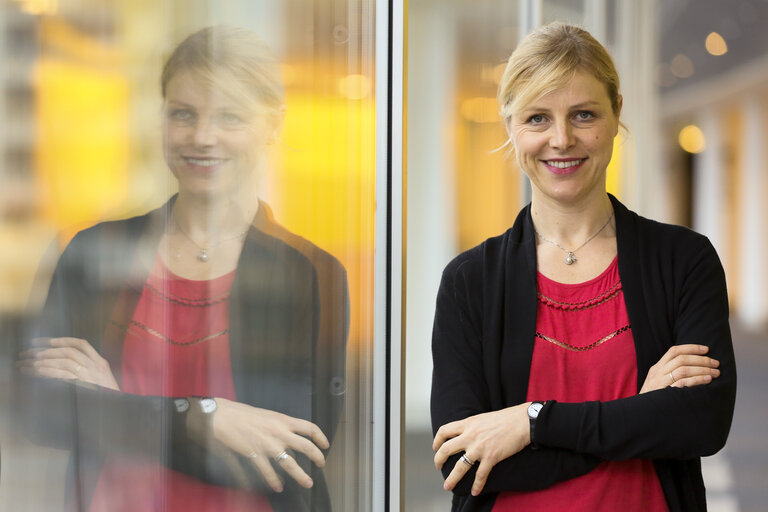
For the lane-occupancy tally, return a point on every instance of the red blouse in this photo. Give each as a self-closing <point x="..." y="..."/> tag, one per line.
<point x="585" y="351"/>
<point x="177" y="344"/>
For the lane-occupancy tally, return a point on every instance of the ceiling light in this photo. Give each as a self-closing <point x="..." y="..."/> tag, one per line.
<point x="681" y="66"/>
<point x="691" y="139"/>
<point x="715" y="44"/>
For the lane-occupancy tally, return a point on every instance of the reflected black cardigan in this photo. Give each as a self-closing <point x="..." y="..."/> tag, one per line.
<point x="288" y="325"/>
<point x="485" y="321"/>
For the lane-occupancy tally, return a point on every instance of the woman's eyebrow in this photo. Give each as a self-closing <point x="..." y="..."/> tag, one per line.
<point x="584" y="104"/>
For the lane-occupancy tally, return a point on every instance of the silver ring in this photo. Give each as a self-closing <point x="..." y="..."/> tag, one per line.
<point x="253" y="455"/>
<point x="466" y="460"/>
<point x="671" y="377"/>
<point x="280" y="457"/>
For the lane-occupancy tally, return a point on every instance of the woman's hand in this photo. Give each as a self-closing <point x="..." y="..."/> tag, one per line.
<point x="67" y="359"/>
<point x="682" y="366"/>
<point x="265" y="436"/>
<point x="485" y="438"/>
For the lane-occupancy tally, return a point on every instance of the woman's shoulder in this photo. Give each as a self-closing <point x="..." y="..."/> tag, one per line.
<point x="482" y="259"/>
<point x="670" y="237"/>
<point x="282" y="240"/>
<point x="654" y="235"/>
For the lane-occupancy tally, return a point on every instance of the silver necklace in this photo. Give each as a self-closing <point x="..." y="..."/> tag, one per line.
<point x="570" y="259"/>
<point x="203" y="256"/>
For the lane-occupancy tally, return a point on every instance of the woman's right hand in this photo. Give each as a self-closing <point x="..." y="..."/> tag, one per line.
<point x="262" y="435"/>
<point x="682" y="366"/>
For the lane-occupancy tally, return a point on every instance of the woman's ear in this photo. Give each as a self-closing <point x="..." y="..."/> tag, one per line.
<point x="276" y="124"/>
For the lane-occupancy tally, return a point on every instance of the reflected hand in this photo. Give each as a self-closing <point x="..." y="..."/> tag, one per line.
<point x="682" y="366"/>
<point x="486" y="438"/>
<point x="264" y="436"/>
<point x="67" y="359"/>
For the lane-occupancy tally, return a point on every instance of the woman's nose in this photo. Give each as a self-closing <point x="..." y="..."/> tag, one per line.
<point x="205" y="132"/>
<point x="562" y="135"/>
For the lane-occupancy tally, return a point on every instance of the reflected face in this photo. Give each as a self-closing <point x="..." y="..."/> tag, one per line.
<point x="211" y="144"/>
<point x="564" y="140"/>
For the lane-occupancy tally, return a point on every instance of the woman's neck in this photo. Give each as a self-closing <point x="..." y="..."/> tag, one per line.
<point x="206" y="219"/>
<point x="570" y="224"/>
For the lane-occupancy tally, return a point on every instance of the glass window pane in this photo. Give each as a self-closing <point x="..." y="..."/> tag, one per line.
<point x="189" y="191"/>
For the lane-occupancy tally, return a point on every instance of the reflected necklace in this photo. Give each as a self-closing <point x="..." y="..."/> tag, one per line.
<point x="203" y="255"/>
<point x="570" y="259"/>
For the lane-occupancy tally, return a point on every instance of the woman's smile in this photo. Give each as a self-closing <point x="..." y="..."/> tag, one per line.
<point x="564" y="166"/>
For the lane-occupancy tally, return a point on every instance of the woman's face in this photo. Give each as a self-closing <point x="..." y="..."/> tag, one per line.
<point x="211" y="143"/>
<point x="564" y="140"/>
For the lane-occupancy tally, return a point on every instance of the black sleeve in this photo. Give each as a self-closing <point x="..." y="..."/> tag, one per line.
<point x="670" y="423"/>
<point x="459" y="390"/>
<point x="91" y="421"/>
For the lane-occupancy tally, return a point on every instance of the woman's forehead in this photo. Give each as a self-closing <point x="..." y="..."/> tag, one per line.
<point x="193" y="85"/>
<point x="574" y="88"/>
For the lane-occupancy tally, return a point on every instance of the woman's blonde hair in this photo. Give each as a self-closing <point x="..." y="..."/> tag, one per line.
<point x="233" y="60"/>
<point x="546" y="59"/>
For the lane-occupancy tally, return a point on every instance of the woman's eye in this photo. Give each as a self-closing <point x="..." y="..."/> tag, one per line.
<point x="536" y="119"/>
<point x="230" y="119"/>
<point x="585" y="115"/>
<point x="183" y="115"/>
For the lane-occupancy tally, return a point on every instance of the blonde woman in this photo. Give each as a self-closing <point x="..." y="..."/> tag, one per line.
<point x="583" y="359"/>
<point x="194" y="356"/>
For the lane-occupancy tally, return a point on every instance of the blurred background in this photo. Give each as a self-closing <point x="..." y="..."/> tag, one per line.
<point x="80" y="143"/>
<point x="694" y="78"/>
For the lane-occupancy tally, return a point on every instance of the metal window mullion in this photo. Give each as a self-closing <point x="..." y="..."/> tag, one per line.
<point x="388" y="257"/>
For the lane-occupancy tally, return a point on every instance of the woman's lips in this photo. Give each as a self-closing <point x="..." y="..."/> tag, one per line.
<point x="561" y="166"/>
<point x="204" y="163"/>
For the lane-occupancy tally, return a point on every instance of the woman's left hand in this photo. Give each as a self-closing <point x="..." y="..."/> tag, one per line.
<point x="485" y="439"/>
<point x="67" y="359"/>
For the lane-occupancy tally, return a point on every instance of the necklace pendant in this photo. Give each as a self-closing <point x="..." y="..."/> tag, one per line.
<point x="570" y="259"/>
<point x="202" y="255"/>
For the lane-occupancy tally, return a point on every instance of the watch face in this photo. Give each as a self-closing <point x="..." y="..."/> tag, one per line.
<point x="534" y="409"/>
<point x="208" y="405"/>
<point x="182" y="404"/>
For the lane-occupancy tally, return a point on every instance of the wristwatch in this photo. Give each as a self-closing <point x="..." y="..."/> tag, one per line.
<point x="207" y="405"/>
<point x="533" y="412"/>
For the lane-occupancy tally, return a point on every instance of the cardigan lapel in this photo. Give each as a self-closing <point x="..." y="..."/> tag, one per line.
<point x="631" y="273"/>
<point x="519" y="307"/>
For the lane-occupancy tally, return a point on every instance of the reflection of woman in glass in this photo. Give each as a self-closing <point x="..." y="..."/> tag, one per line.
<point x="220" y="334"/>
<point x="583" y="359"/>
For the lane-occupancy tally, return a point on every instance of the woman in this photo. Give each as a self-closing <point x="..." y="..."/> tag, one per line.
<point x="583" y="359"/>
<point x="195" y="355"/>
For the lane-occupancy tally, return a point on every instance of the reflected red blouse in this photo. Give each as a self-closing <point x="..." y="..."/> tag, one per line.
<point x="585" y="351"/>
<point x="177" y="344"/>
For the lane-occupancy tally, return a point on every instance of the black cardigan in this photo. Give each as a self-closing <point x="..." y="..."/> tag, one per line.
<point x="485" y="321"/>
<point x="288" y="321"/>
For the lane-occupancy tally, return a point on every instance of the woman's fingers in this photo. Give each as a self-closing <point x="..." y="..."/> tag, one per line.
<point x="461" y="468"/>
<point x="290" y="466"/>
<point x="682" y="366"/>
<point x="267" y="471"/>
<point x="483" y="470"/>
<point x="310" y="430"/>
<point x="61" y="354"/>
<point x="79" y="344"/>
<point x="447" y="431"/>
<point x="53" y="373"/>
<point x="307" y="447"/>
<point x="689" y="382"/>
<point x="448" y="448"/>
